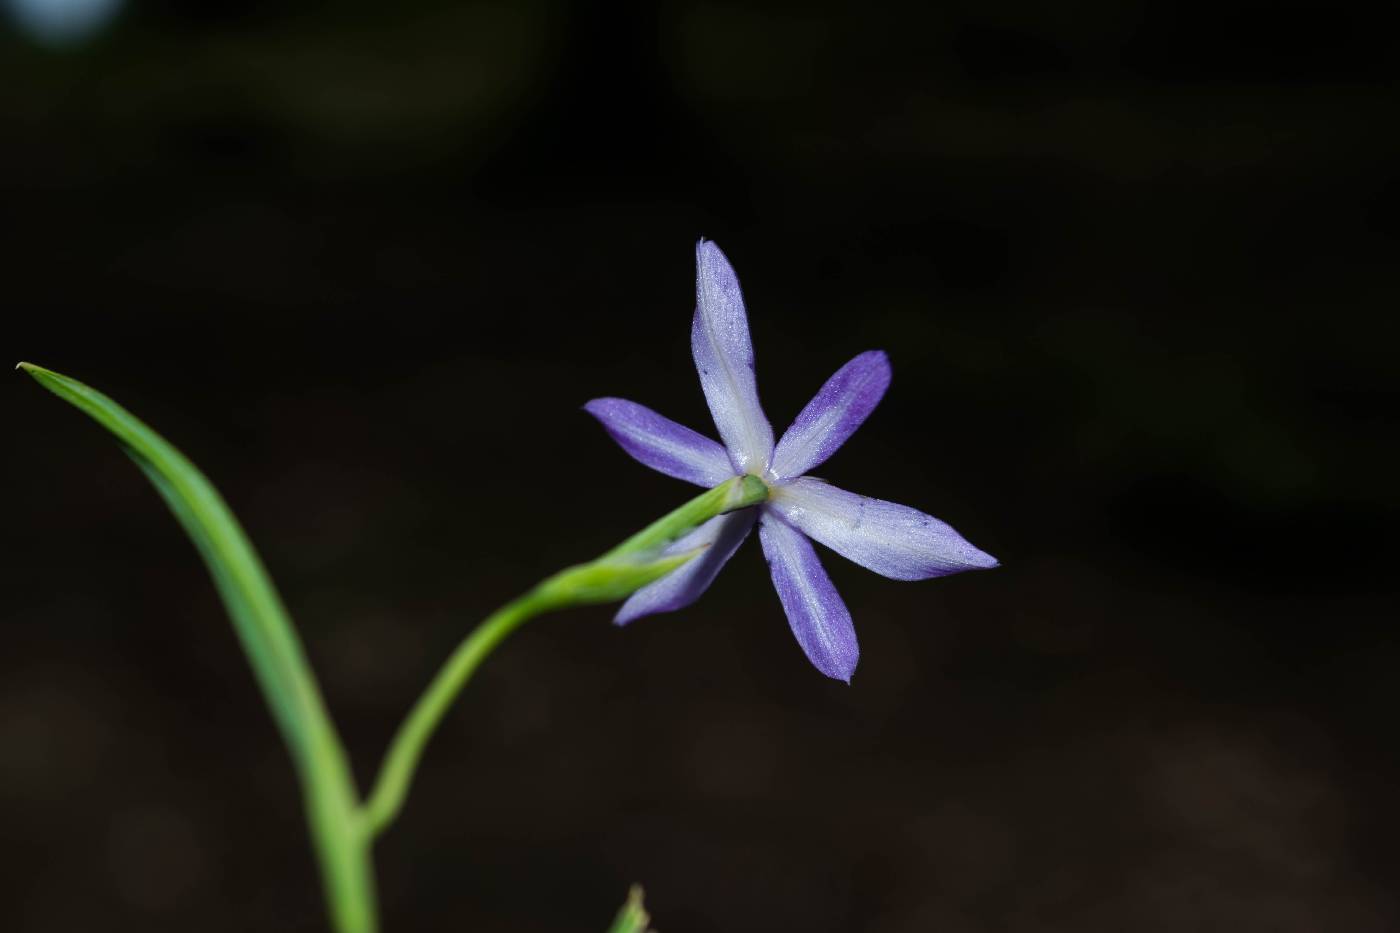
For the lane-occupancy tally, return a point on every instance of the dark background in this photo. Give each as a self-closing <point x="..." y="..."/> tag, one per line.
<point x="364" y="262"/>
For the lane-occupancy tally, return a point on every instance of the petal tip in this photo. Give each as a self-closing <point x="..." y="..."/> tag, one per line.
<point x="841" y="669"/>
<point x="625" y="615"/>
<point x="981" y="560"/>
<point x="711" y="259"/>
<point x="600" y="407"/>
<point x="879" y="360"/>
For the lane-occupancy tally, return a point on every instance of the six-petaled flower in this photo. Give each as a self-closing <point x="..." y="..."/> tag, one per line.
<point x="893" y="540"/>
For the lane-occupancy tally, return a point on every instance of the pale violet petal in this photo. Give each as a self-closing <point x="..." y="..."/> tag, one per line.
<point x="661" y="443"/>
<point x="719" y="339"/>
<point x="892" y="540"/>
<point x="833" y="414"/>
<point x="721" y="537"/>
<point x="818" y="617"/>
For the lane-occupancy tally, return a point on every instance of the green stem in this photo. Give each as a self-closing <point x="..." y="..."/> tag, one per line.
<point x="396" y="773"/>
<point x="610" y="577"/>
<point x="343" y="829"/>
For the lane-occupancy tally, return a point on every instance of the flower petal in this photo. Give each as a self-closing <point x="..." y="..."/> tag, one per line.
<point x="892" y="540"/>
<point x="833" y="414"/>
<point x="719" y="340"/>
<point x="818" y="617"/>
<point x="662" y="444"/>
<point x="722" y="535"/>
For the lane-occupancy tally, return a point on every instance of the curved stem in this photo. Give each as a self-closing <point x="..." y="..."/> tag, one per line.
<point x="343" y="829"/>
<point x="396" y="773"/>
<point x="615" y="575"/>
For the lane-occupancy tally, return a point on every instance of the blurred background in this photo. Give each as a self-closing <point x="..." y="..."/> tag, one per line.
<point x="1134" y="264"/>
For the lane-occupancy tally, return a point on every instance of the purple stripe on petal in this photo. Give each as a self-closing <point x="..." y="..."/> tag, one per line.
<point x="833" y="414"/>
<point x="818" y="617"/>
<point x="719" y="339"/>
<point x="721" y="536"/>
<point x="662" y="444"/>
<point x="892" y="540"/>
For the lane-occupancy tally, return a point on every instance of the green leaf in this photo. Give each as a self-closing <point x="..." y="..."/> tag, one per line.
<point x="268" y="638"/>
<point x="632" y="918"/>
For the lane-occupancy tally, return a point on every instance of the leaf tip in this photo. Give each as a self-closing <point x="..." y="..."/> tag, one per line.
<point x="633" y="918"/>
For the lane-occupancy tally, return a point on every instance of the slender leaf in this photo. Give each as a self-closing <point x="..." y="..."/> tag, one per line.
<point x="270" y="641"/>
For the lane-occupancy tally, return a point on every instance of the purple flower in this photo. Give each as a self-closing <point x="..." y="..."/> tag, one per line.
<point x="892" y="540"/>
